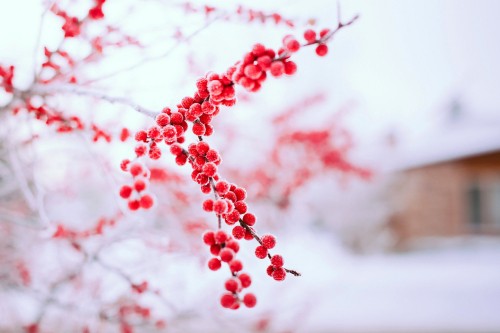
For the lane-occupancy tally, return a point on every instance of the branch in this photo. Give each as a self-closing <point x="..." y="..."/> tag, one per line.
<point x="81" y="91"/>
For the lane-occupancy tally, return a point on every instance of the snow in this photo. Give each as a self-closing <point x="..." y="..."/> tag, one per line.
<point x="455" y="288"/>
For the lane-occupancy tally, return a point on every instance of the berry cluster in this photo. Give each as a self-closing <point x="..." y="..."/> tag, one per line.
<point x="311" y="38"/>
<point x="136" y="193"/>
<point x="252" y="70"/>
<point x="214" y="90"/>
<point x="224" y="248"/>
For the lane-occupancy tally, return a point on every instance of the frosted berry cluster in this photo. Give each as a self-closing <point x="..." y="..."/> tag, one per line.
<point x="229" y="200"/>
<point x="224" y="249"/>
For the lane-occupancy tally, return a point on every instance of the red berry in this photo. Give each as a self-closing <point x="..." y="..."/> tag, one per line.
<point x="233" y="245"/>
<point x="140" y="149"/>
<point x="292" y="45"/>
<point x="235" y="266"/>
<point x="202" y="147"/>
<point x="169" y="132"/>
<point x="277" y="68"/>
<point x="270" y="270"/>
<point x="134" y="204"/>
<point x="249" y="219"/>
<point x="146" y="201"/>
<point x="220" y="206"/>
<point x="222" y="187"/>
<point x="124" y="164"/>
<point x="249" y="300"/>
<point x="209" y="169"/>
<point x="215" y="249"/>
<point x="186" y="102"/>
<point x="214" y="264"/>
<point x="154" y="132"/>
<point x="290" y="68"/>
<point x="310" y="35"/>
<point x="139" y="185"/>
<point x="136" y="169"/>
<point x="261" y="252"/>
<point x="321" y="50"/>
<point x="181" y="159"/>
<point x="228" y="300"/>
<point x="226" y="255"/>
<point x="279" y="273"/>
<point x="141" y="136"/>
<point x="277" y="260"/>
<point x="209" y="238"/>
<point x="163" y="119"/>
<point x="208" y="205"/>
<point x="232" y="217"/>
<point x="198" y="129"/>
<point x="212" y="155"/>
<point x="323" y="33"/>
<point x="240" y="193"/>
<point x="245" y="280"/>
<point x="268" y="241"/>
<point x="221" y="236"/>
<point x="238" y="232"/>
<point x="215" y="87"/>
<point x="125" y="191"/>
<point x="232" y="285"/>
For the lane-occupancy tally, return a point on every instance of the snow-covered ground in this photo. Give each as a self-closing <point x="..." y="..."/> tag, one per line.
<point x="453" y="287"/>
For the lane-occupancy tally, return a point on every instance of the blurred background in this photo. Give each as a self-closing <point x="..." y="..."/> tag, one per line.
<point x="377" y="167"/>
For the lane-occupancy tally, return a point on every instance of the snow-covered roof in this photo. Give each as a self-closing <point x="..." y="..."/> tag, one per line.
<point x="447" y="142"/>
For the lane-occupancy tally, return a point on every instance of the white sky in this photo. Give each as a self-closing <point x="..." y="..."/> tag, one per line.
<point x="402" y="63"/>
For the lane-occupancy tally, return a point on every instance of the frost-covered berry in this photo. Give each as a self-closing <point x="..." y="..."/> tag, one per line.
<point x="208" y="205"/>
<point x="141" y="136"/>
<point x="268" y="241"/>
<point x="212" y="155"/>
<point x="238" y="232"/>
<point x="220" y="206"/>
<point x="226" y="255"/>
<point x="202" y="147"/>
<point x="241" y="207"/>
<point x="209" y="238"/>
<point x="163" y="119"/>
<point x="214" y="264"/>
<point x="249" y="300"/>
<point x="277" y="68"/>
<point x="209" y="169"/>
<point x="245" y="280"/>
<point x="240" y="193"/>
<point x="279" y="273"/>
<point x="222" y="187"/>
<point x="249" y="219"/>
<point x="277" y="260"/>
<point x="221" y="236"/>
<point x="198" y="129"/>
<point x="261" y="252"/>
